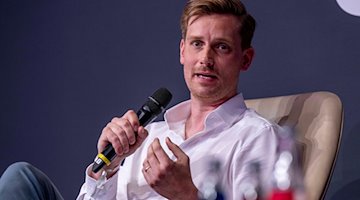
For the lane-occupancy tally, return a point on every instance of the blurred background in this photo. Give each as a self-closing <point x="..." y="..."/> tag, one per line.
<point x="68" y="67"/>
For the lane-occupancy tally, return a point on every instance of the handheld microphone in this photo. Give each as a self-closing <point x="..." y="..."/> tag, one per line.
<point x="154" y="105"/>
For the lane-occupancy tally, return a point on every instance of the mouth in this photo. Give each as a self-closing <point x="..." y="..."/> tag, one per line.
<point x="205" y="76"/>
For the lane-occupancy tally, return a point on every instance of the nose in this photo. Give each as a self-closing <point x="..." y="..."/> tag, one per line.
<point x="207" y="57"/>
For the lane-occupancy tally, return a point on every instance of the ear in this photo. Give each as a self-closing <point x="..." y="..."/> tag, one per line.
<point x="182" y="46"/>
<point x="248" y="55"/>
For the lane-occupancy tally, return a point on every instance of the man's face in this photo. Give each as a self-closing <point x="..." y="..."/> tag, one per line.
<point x="212" y="57"/>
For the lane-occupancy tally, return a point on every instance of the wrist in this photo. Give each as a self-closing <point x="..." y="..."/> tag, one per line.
<point x="110" y="171"/>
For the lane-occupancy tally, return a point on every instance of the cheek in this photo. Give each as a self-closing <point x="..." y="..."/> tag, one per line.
<point x="188" y="55"/>
<point x="187" y="76"/>
<point x="230" y="72"/>
<point x="189" y="63"/>
<point x="187" y="58"/>
<point x="187" y="71"/>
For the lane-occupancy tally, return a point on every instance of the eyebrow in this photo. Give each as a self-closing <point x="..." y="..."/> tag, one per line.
<point x="216" y="40"/>
<point x="194" y="37"/>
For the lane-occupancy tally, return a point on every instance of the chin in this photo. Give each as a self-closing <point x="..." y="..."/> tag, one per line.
<point x="213" y="95"/>
<point x="206" y="94"/>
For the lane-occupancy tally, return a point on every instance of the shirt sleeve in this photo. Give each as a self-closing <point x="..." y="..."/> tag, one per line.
<point x="261" y="150"/>
<point x="90" y="190"/>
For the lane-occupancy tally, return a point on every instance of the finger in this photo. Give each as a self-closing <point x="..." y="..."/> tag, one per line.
<point x="178" y="153"/>
<point x="114" y="140"/>
<point x="134" y="121"/>
<point x="160" y="154"/>
<point x="140" y="139"/>
<point x="122" y="136"/>
<point x="151" y="157"/>
<point x="142" y="133"/>
<point x="127" y="127"/>
<point x="103" y="141"/>
<point x="146" y="164"/>
<point x="104" y="138"/>
<point x="132" y="117"/>
<point x="147" y="175"/>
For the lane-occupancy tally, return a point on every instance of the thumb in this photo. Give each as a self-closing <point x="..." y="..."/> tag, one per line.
<point x="178" y="153"/>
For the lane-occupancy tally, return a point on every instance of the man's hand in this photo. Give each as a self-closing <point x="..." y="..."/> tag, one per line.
<point x="125" y="135"/>
<point x="171" y="179"/>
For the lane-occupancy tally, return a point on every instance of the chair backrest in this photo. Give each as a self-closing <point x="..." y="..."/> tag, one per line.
<point x="317" y="118"/>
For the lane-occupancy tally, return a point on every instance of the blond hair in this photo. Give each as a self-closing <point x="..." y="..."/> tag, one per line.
<point x="200" y="8"/>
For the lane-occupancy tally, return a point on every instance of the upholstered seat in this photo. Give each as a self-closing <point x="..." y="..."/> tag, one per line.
<point x="317" y="118"/>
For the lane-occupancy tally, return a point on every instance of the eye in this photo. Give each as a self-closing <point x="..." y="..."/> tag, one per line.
<point x="223" y="47"/>
<point x="197" y="44"/>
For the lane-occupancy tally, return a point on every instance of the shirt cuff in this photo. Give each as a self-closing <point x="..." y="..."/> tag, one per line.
<point x="106" y="191"/>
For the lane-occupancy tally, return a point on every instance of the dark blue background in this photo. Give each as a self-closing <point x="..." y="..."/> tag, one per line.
<point x="68" y="67"/>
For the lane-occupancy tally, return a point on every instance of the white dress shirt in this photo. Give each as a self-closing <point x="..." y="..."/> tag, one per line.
<point x="233" y="134"/>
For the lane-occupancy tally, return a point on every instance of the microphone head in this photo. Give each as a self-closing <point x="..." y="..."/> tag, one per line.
<point x="162" y="97"/>
<point x="155" y="104"/>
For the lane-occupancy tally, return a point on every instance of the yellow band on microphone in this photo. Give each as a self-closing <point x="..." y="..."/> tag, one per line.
<point x="103" y="158"/>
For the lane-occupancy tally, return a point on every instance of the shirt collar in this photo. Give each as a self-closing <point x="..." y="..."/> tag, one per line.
<point x="226" y="114"/>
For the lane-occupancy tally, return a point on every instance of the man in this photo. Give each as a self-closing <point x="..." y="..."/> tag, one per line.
<point x="168" y="159"/>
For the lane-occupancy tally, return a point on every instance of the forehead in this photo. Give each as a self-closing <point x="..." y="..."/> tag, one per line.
<point x="214" y="24"/>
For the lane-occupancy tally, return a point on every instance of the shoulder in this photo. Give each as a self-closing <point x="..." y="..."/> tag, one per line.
<point x="251" y="119"/>
<point x="253" y="127"/>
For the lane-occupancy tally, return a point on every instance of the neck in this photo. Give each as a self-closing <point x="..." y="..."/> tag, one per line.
<point x="198" y="112"/>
